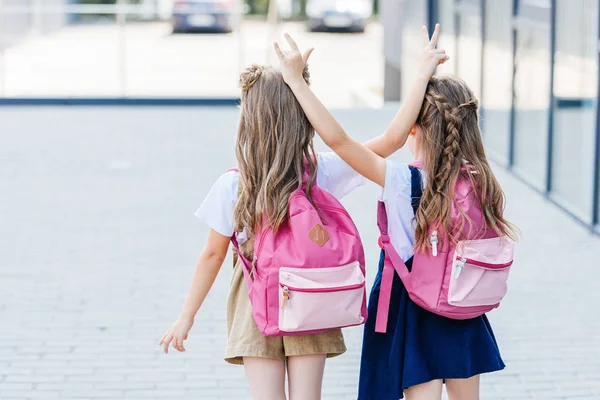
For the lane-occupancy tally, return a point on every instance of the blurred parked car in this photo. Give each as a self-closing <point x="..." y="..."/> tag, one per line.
<point x="204" y="15"/>
<point x="350" y="15"/>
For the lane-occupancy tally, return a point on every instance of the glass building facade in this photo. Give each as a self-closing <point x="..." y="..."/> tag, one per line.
<point x="534" y="65"/>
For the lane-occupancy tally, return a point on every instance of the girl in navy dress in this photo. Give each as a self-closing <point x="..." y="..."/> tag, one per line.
<point x="420" y="350"/>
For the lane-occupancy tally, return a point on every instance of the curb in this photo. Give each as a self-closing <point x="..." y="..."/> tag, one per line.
<point x="120" y="101"/>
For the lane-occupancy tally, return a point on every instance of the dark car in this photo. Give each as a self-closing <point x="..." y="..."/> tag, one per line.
<point x="348" y="15"/>
<point x="204" y="15"/>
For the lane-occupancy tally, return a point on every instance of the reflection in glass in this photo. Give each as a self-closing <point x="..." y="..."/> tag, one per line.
<point x="575" y="89"/>
<point x="469" y="51"/>
<point x="532" y="100"/>
<point x="412" y="41"/>
<point x="497" y="79"/>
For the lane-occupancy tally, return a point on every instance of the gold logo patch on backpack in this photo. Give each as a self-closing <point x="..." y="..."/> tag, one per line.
<point x="319" y="235"/>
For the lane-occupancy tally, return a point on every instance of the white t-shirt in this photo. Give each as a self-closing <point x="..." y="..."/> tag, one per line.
<point x="396" y="195"/>
<point x="333" y="176"/>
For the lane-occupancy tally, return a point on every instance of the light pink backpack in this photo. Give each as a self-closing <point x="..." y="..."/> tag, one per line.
<point x="308" y="277"/>
<point x="458" y="282"/>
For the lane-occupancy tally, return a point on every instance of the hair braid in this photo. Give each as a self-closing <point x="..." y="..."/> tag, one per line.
<point x="450" y="138"/>
<point x="451" y="145"/>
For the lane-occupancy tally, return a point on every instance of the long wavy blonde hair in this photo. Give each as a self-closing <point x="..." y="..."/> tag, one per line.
<point x="449" y="121"/>
<point x="274" y="141"/>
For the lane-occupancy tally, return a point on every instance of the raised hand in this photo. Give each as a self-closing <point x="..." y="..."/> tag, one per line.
<point x="292" y="61"/>
<point x="432" y="56"/>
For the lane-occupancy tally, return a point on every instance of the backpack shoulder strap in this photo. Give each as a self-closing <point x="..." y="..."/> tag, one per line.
<point x="416" y="187"/>
<point x="393" y="263"/>
<point x="237" y="251"/>
<point x="247" y="265"/>
<point x="306" y="174"/>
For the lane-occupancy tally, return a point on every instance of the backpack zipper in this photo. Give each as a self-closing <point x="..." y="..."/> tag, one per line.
<point x="323" y="290"/>
<point x="483" y="264"/>
<point x="334" y="209"/>
<point x="460" y="264"/>
<point x="287" y="289"/>
<point x="286" y="296"/>
<point x="259" y="248"/>
<point x="264" y="233"/>
<point x="461" y="261"/>
<point x="434" y="243"/>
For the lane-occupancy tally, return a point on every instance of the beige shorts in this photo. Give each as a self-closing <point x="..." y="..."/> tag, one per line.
<point x="245" y="340"/>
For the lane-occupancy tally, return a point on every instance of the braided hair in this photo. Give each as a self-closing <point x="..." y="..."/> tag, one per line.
<point x="451" y="140"/>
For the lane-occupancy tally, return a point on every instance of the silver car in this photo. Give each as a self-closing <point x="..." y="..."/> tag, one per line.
<point x="348" y="15"/>
<point x="204" y="15"/>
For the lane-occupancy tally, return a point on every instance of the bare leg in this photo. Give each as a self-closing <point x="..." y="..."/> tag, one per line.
<point x="425" y="391"/>
<point x="463" y="389"/>
<point x="305" y="376"/>
<point x="266" y="378"/>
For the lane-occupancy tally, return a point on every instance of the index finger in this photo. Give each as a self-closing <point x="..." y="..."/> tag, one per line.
<point x="168" y="341"/>
<point x="425" y="35"/>
<point x="435" y="36"/>
<point x="292" y="43"/>
<point x="278" y="51"/>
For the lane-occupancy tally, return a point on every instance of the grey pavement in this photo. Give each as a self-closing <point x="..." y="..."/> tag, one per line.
<point x="98" y="244"/>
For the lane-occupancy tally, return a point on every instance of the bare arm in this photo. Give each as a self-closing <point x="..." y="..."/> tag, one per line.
<point x="397" y="133"/>
<point x="208" y="266"/>
<point x="355" y="154"/>
<point x="365" y="159"/>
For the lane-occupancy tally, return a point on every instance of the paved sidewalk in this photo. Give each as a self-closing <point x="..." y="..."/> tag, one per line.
<point x="98" y="244"/>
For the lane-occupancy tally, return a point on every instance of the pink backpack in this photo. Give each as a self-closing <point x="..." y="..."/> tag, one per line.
<point x="458" y="282"/>
<point x="308" y="277"/>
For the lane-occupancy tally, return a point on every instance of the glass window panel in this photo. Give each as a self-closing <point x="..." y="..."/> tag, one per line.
<point x="575" y="89"/>
<point x="497" y="78"/>
<point x="468" y="57"/>
<point x="532" y="100"/>
<point x="447" y="41"/>
<point x="412" y="41"/>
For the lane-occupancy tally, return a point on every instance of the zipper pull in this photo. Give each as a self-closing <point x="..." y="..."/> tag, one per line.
<point x="434" y="243"/>
<point x="286" y="296"/>
<point x="460" y="264"/>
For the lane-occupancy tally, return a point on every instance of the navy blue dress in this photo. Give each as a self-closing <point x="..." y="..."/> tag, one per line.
<point x="420" y="346"/>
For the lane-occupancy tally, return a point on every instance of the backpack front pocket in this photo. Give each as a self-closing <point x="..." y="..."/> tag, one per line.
<point x="320" y="298"/>
<point x="480" y="272"/>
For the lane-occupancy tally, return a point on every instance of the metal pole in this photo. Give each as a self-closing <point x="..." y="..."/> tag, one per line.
<point x="596" y="183"/>
<point x="482" y="13"/>
<point x="2" y="72"/>
<point x="272" y="19"/>
<point x="122" y="47"/>
<point x="2" y="54"/>
<point x="550" y="155"/>
<point x="513" y="111"/>
<point x="456" y="16"/>
<point x="432" y="15"/>
<point x="241" y="44"/>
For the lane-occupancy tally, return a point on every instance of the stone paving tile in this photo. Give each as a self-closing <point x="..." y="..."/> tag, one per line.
<point x="98" y="245"/>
